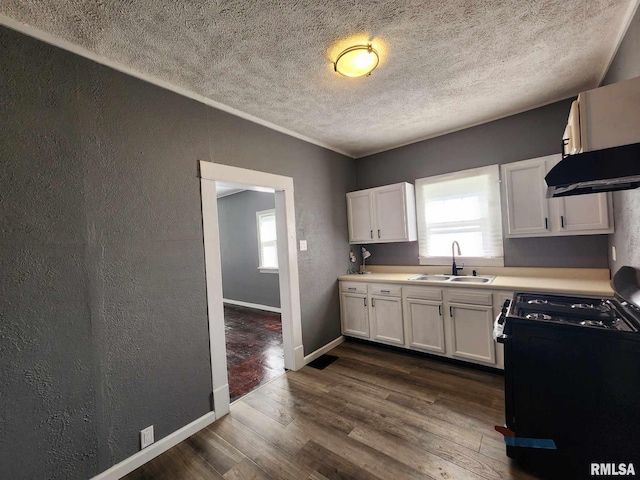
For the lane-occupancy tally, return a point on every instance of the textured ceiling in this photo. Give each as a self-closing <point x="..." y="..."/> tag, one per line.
<point x="445" y="65"/>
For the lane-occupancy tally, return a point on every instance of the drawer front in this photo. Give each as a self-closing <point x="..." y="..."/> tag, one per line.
<point x="353" y="287"/>
<point x="385" y="290"/>
<point x="471" y="297"/>
<point x="424" y="293"/>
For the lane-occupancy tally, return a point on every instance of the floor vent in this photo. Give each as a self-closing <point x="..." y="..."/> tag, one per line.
<point x="322" y="362"/>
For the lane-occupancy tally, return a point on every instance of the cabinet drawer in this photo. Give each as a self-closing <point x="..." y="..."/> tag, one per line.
<point x="353" y="287"/>
<point x="387" y="290"/>
<point x="471" y="297"/>
<point x="424" y="293"/>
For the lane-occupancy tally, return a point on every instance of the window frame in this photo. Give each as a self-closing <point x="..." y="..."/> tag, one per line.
<point x="261" y="267"/>
<point x="496" y="261"/>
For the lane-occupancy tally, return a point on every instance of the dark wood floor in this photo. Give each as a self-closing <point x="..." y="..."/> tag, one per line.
<point x="371" y="414"/>
<point x="255" y="354"/>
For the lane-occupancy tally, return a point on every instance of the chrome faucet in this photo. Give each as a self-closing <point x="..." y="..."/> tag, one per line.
<point x="454" y="268"/>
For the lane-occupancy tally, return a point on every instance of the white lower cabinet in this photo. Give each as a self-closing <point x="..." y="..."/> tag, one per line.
<point x="471" y="321"/>
<point x="385" y="312"/>
<point x="453" y="322"/>
<point x="424" y="319"/>
<point x="354" y="311"/>
<point x="386" y="320"/>
<point x="471" y="332"/>
<point x="425" y="325"/>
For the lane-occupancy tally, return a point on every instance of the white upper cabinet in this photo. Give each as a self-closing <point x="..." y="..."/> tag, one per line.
<point x="531" y="214"/>
<point x="527" y="205"/>
<point x="605" y="117"/>
<point x="360" y="214"/>
<point x="382" y="214"/>
<point x="584" y="213"/>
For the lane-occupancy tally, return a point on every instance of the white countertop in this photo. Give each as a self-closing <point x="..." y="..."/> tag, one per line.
<point x="570" y="281"/>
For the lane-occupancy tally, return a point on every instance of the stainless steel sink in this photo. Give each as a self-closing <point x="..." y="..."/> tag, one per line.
<point x="432" y="278"/>
<point x="471" y="279"/>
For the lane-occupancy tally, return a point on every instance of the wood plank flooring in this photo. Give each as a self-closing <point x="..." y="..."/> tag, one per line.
<point x="372" y="414"/>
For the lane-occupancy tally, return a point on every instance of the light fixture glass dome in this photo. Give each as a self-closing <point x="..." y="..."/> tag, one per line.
<point x="357" y="61"/>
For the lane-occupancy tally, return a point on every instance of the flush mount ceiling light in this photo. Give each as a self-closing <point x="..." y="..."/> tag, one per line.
<point x="357" y="61"/>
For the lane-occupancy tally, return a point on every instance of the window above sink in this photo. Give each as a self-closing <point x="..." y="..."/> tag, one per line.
<point x="462" y="206"/>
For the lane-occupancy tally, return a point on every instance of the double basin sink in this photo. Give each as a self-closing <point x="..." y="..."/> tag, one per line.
<point x="439" y="278"/>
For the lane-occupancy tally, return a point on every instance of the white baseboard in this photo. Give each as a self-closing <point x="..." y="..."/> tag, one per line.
<point x="143" y="456"/>
<point x="221" y="400"/>
<point x="322" y="350"/>
<point x="298" y="358"/>
<point x="257" y="306"/>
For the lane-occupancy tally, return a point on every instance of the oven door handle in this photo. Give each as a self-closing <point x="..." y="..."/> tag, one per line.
<point x="502" y="338"/>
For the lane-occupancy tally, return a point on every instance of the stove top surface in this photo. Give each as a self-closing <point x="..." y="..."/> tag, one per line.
<point x="598" y="313"/>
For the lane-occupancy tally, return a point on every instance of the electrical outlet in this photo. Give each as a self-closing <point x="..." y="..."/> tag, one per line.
<point x="613" y="253"/>
<point x="303" y="245"/>
<point x="146" y="437"/>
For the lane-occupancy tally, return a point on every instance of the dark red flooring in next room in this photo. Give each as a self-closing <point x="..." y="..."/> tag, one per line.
<point x="254" y="348"/>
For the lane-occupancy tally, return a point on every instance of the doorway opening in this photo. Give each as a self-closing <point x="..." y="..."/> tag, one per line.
<point x="250" y="286"/>
<point x="288" y="282"/>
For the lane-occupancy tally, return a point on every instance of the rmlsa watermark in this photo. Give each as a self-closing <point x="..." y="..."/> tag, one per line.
<point x="611" y="469"/>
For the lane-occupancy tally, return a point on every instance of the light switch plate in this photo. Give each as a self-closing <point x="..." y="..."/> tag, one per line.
<point x="146" y="437"/>
<point x="303" y="245"/>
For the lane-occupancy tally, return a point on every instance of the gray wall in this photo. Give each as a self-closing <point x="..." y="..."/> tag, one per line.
<point x="531" y="134"/>
<point x="626" y="239"/>
<point x="241" y="279"/>
<point x="104" y="323"/>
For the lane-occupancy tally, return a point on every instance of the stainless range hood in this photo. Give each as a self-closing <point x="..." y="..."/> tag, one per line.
<point x="606" y="170"/>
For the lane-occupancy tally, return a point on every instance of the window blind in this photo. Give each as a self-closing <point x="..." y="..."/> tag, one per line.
<point x="462" y="206"/>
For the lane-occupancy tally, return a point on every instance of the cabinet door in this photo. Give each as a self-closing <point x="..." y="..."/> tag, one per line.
<point x="425" y="325"/>
<point x="472" y="328"/>
<point x="526" y="193"/>
<point x="360" y="217"/>
<point x="355" y="315"/>
<point x="580" y="214"/>
<point x="386" y="320"/>
<point x="390" y="214"/>
<point x="584" y="213"/>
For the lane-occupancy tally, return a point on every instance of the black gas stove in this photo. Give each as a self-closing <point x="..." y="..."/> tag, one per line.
<point x="608" y="314"/>
<point x="572" y="379"/>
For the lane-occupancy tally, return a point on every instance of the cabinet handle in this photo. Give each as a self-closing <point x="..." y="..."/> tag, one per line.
<point x="440" y="310"/>
<point x="371" y="233"/>
<point x="562" y="220"/>
<point x="373" y="302"/>
<point x="385" y="291"/>
<point x="450" y="311"/>
<point x="378" y="233"/>
<point x="352" y="288"/>
<point x="365" y="301"/>
<point x="546" y="223"/>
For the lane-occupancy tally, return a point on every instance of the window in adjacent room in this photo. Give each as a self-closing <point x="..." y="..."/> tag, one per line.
<point x="267" y="241"/>
<point x="462" y="206"/>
